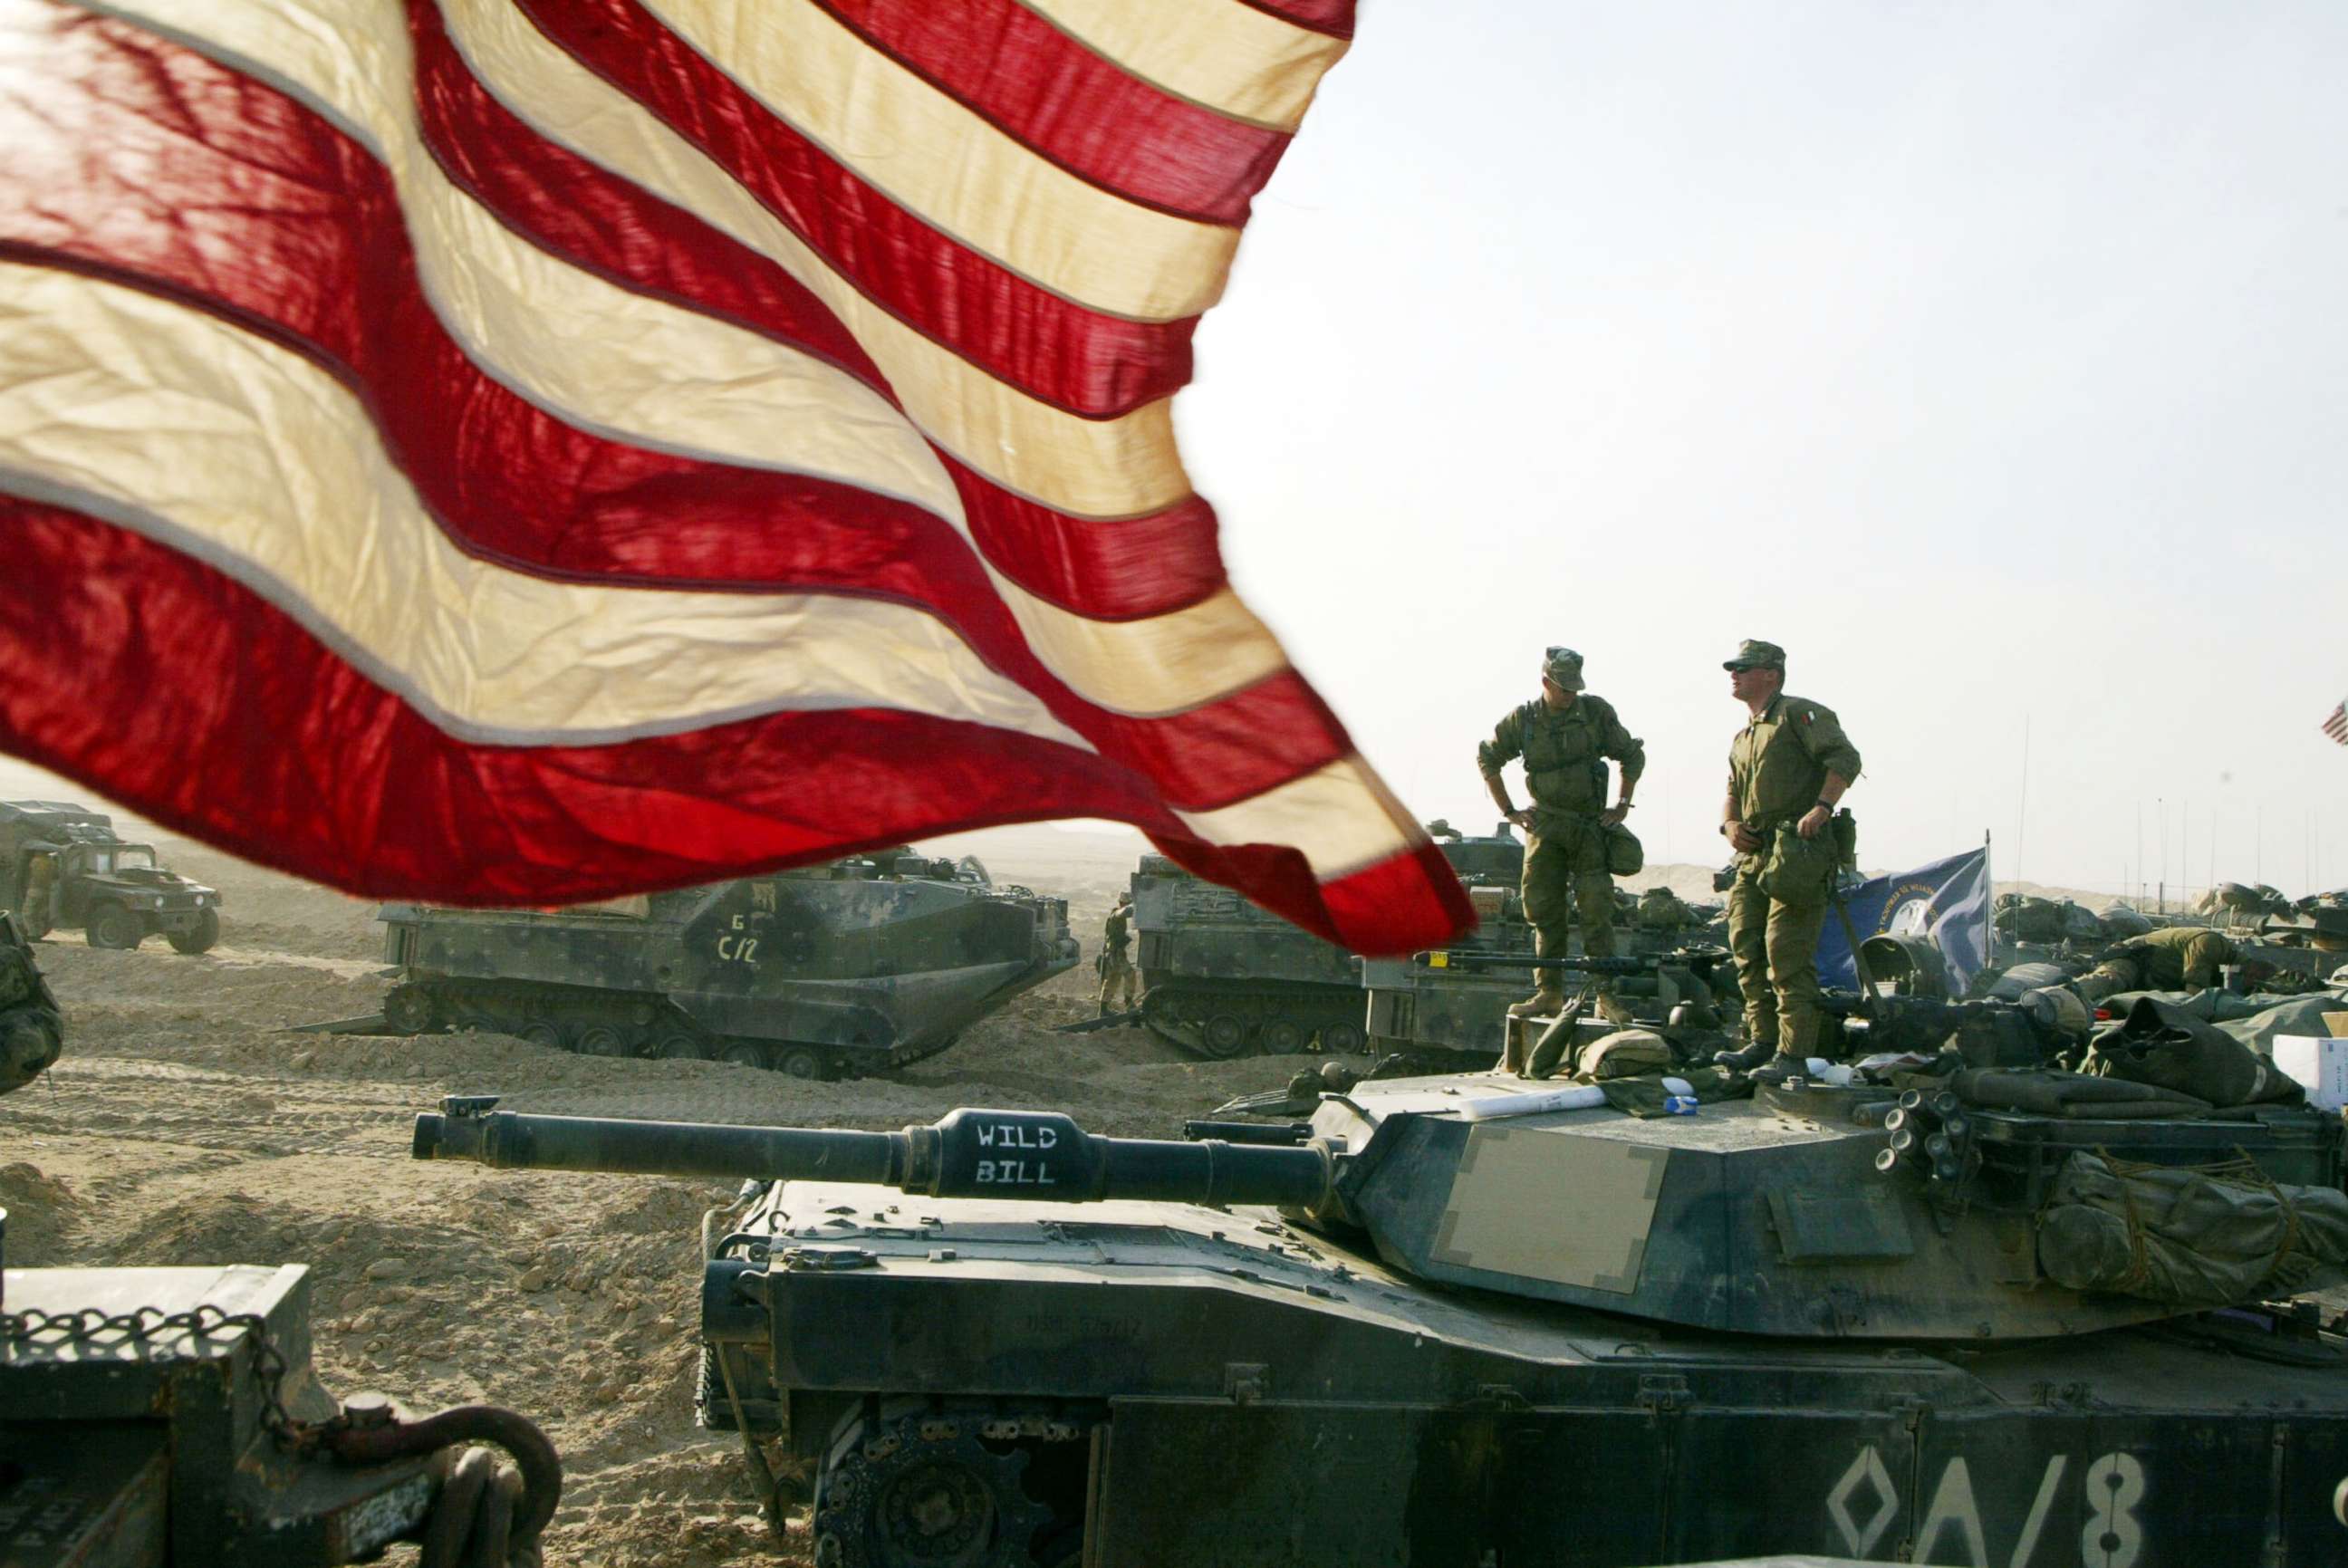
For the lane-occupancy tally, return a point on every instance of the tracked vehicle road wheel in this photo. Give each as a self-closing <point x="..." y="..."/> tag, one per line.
<point x="602" y="1040"/>
<point x="543" y="1032"/>
<point x="798" y="1062"/>
<point x="1223" y="1035"/>
<point x="683" y="1045"/>
<point x="113" y="926"/>
<point x="742" y="1053"/>
<point x="411" y="1010"/>
<point x="1342" y="1039"/>
<point x="198" y="938"/>
<point x="1282" y="1036"/>
<point x="957" y="1486"/>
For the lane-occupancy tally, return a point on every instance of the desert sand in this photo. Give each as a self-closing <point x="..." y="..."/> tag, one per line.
<point x="183" y="1127"/>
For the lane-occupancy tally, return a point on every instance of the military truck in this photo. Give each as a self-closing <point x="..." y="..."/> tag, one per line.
<point x="855" y="966"/>
<point x="1224" y="978"/>
<point x="62" y="868"/>
<point x="1468" y="1319"/>
<point x="171" y="1416"/>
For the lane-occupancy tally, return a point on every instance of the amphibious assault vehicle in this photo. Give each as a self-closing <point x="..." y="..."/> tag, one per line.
<point x="1467" y="1320"/>
<point x="63" y="869"/>
<point x="852" y="967"/>
<point x="1224" y="978"/>
<point x="171" y="1416"/>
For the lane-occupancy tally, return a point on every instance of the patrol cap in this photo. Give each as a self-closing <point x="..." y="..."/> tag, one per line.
<point x="1753" y="654"/>
<point x="1562" y="665"/>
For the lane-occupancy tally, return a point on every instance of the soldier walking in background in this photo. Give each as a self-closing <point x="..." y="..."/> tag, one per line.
<point x="1116" y="965"/>
<point x="1564" y="737"/>
<point x="1786" y="769"/>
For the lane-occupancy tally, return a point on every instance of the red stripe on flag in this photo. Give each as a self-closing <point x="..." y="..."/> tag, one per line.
<point x="1335" y="17"/>
<point x="285" y="753"/>
<point x="179" y="174"/>
<point x="1021" y="74"/>
<point x="1059" y="351"/>
<point x="2336" y="726"/>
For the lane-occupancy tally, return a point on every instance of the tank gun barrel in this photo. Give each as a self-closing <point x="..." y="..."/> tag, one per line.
<point x="1036" y="1156"/>
<point x="1475" y="961"/>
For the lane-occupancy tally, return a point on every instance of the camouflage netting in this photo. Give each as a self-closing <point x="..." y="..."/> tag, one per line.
<point x="2196" y="1238"/>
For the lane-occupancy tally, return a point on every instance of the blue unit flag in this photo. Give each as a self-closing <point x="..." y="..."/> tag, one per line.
<point x="1947" y="901"/>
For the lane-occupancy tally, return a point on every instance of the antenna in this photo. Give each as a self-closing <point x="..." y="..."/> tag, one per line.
<point x="2022" y="807"/>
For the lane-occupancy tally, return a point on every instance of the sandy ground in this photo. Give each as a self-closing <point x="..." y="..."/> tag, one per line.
<point x="183" y="1127"/>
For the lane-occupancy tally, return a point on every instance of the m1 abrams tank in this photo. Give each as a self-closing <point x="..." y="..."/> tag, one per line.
<point x="171" y="1416"/>
<point x="853" y="967"/>
<point x="1223" y="978"/>
<point x="1465" y="1320"/>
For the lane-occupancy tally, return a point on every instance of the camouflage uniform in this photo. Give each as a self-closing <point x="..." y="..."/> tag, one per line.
<point x="1116" y="967"/>
<point x="1565" y="752"/>
<point x="2174" y="958"/>
<point x="1778" y="765"/>
<point x="30" y="1032"/>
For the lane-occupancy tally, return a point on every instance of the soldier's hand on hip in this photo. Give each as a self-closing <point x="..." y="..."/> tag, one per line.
<point x="1522" y="819"/>
<point x="1744" y="840"/>
<point x="1812" y="820"/>
<point x="1612" y="817"/>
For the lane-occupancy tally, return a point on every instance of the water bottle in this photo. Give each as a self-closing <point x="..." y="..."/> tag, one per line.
<point x="1679" y="1105"/>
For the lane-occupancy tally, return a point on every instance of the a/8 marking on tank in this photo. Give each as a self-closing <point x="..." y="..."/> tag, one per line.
<point x="2112" y="1487"/>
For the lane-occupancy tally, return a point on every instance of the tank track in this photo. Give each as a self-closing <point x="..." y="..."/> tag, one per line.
<point x="910" y="1481"/>
<point x="1223" y="1022"/>
<point x="590" y="1022"/>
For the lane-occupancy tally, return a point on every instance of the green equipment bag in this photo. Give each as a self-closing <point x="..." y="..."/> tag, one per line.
<point x="1796" y="870"/>
<point x="1625" y="856"/>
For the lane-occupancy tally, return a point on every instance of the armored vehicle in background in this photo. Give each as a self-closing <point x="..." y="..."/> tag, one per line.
<point x="171" y="1416"/>
<point x="32" y="1029"/>
<point x="856" y="966"/>
<point x="1468" y="1320"/>
<point x="63" y="869"/>
<point x="1224" y="978"/>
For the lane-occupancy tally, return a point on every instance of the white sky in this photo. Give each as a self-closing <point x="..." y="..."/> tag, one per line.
<point x="1989" y="358"/>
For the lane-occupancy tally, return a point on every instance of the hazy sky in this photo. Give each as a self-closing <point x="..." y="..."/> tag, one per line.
<point x="1989" y="358"/>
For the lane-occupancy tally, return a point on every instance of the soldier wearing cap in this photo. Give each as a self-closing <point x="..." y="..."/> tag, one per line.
<point x="1786" y="768"/>
<point x="1115" y="963"/>
<point x="1565" y="737"/>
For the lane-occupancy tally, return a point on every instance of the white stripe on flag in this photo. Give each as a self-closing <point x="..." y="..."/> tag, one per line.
<point x="1340" y="816"/>
<point x="953" y="169"/>
<point x="242" y="452"/>
<point x="1223" y="54"/>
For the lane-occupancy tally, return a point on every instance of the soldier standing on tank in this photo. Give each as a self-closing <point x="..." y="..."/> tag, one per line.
<point x="1116" y="967"/>
<point x="1565" y="737"/>
<point x="1786" y="769"/>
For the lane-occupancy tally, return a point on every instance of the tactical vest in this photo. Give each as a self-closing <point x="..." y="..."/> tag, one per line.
<point x="1114" y="932"/>
<point x="1784" y="759"/>
<point x="1563" y="769"/>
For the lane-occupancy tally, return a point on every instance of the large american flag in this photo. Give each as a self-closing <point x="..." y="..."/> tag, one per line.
<point x="536" y="449"/>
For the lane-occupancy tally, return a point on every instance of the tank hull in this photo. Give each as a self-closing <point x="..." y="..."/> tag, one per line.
<point x="1223" y="978"/>
<point x="814" y="976"/>
<point x="1232" y="1389"/>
